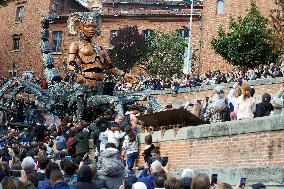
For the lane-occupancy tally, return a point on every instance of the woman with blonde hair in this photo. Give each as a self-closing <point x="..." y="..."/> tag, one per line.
<point x="245" y="105"/>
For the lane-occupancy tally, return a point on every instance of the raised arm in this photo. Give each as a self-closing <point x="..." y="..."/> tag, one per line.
<point x="114" y="70"/>
<point x="73" y="51"/>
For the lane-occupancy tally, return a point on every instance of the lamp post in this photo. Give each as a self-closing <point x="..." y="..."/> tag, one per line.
<point x="188" y="57"/>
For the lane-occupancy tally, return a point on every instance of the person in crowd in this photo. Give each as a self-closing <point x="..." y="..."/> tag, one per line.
<point x="127" y="183"/>
<point x="149" y="179"/>
<point x="148" y="149"/>
<point x="265" y="107"/>
<point x="9" y="183"/>
<point x="218" y="109"/>
<point x="196" y="109"/>
<point x="172" y="183"/>
<point x="277" y="100"/>
<point x="110" y="166"/>
<point x="82" y="141"/>
<point x="224" y="186"/>
<point x="245" y="105"/>
<point x="42" y="164"/>
<point x="156" y="155"/>
<point x="130" y="145"/>
<point x="46" y="184"/>
<point x="69" y="170"/>
<point x="114" y="134"/>
<point x="258" y="186"/>
<point x="85" y="176"/>
<point x="28" y="165"/>
<point x="233" y="99"/>
<point x="100" y="183"/>
<point x="186" y="178"/>
<point x="57" y="180"/>
<point x="160" y="180"/>
<point x="60" y="143"/>
<point x="200" y="181"/>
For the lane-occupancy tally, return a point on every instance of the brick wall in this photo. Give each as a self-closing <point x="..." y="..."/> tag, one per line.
<point x="252" y="148"/>
<point x="248" y="150"/>
<point x="28" y="57"/>
<point x="165" y="24"/>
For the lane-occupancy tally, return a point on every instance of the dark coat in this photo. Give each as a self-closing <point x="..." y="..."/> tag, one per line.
<point x="62" y="185"/>
<point x="82" y="140"/>
<point x="263" y="109"/>
<point x="109" y="163"/>
<point x="100" y="183"/>
<point x="148" y="180"/>
<point x="85" y="185"/>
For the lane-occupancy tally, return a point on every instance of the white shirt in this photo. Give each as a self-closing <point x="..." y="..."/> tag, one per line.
<point x="245" y="107"/>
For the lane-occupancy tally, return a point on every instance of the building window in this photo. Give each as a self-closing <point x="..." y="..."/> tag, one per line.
<point x="16" y="43"/>
<point x="20" y="14"/>
<point x="57" y="42"/>
<point x="113" y="34"/>
<point x="13" y="71"/>
<point x="184" y="33"/>
<point x="220" y="7"/>
<point x="147" y="33"/>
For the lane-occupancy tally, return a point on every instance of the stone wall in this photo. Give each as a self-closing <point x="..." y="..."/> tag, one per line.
<point x="249" y="148"/>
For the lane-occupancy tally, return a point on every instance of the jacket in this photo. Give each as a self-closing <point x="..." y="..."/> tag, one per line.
<point x="62" y="185"/>
<point x="148" y="180"/>
<point x="85" y="185"/>
<point x="109" y="163"/>
<point x="263" y="109"/>
<point x="100" y="183"/>
<point x="82" y="140"/>
<point x="44" y="184"/>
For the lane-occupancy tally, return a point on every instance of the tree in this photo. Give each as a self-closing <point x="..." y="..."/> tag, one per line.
<point x="129" y="48"/>
<point x="4" y="2"/>
<point x="166" y="56"/>
<point x="277" y="24"/>
<point x="247" y="44"/>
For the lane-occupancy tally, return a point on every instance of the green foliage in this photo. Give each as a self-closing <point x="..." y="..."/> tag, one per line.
<point x="129" y="48"/>
<point x="4" y="2"/>
<point x="276" y="23"/>
<point x="166" y="54"/>
<point x="247" y="44"/>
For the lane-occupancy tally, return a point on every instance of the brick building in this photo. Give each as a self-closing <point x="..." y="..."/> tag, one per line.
<point x="21" y="29"/>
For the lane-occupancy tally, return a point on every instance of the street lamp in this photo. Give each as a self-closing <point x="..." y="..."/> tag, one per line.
<point x="188" y="51"/>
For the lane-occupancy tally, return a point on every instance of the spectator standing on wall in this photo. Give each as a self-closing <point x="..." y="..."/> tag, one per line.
<point x="245" y="105"/>
<point x="218" y="110"/>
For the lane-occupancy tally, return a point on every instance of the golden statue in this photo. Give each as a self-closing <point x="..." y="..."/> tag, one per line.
<point x="85" y="58"/>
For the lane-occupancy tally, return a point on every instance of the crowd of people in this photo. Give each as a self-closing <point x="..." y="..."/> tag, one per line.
<point x="209" y="78"/>
<point x="238" y="104"/>
<point x="60" y="153"/>
<point x="101" y="155"/>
